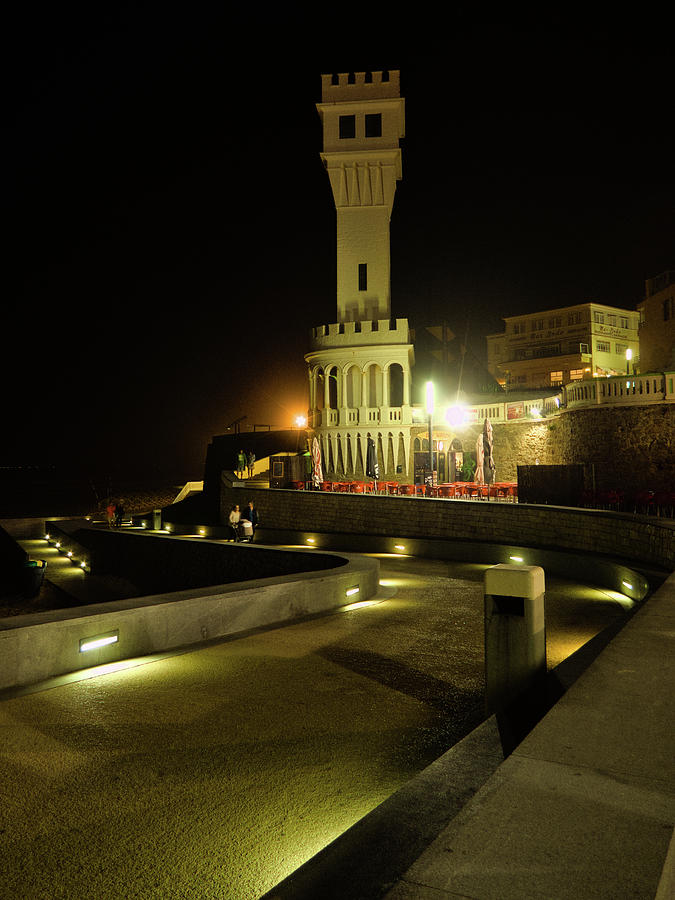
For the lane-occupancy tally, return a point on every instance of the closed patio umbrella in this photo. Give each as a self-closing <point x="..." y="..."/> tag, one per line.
<point x="372" y="466"/>
<point x="479" y="476"/>
<point x="489" y="467"/>
<point x="317" y="472"/>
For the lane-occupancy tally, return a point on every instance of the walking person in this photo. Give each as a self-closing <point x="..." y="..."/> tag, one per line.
<point x="235" y="515"/>
<point x="250" y="463"/>
<point x="250" y="514"/>
<point x="241" y="463"/>
<point x="119" y="513"/>
<point x="110" y="513"/>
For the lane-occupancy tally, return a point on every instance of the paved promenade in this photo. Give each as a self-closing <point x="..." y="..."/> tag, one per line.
<point x="217" y="772"/>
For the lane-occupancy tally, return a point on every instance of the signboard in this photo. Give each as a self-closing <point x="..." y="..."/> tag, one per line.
<point x="514" y="411"/>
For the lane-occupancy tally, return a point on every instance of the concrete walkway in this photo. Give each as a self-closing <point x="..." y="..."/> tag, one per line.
<point x="215" y="773"/>
<point x="583" y="808"/>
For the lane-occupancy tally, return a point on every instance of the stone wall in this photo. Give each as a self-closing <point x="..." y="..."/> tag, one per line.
<point x="616" y="535"/>
<point x="632" y="448"/>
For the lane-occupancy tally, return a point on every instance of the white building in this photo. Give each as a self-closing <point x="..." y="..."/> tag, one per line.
<point x="557" y="346"/>
<point x="360" y="366"/>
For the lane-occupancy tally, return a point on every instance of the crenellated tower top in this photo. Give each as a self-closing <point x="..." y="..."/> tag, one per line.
<point x="345" y="86"/>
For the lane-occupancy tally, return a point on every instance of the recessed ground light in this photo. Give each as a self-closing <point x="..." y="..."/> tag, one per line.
<point x="100" y="641"/>
<point x="399" y="547"/>
<point x="352" y="591"/>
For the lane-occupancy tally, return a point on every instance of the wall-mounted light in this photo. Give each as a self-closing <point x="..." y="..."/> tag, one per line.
<point x="311" y="541"/>
<point x="516" y="558"/>
<point x="100" y="640"/>
<point x="352" y="591"/>
<point x="399" y="547"/>
<point x="627" y="585"/>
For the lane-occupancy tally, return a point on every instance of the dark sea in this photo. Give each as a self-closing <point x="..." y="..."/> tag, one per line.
<point x="33" y="491"/>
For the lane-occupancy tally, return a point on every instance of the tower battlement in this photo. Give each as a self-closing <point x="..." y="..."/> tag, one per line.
<point x="345" y="86"/>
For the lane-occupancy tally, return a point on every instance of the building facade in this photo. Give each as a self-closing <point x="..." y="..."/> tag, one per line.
<point x="657" y="324"/>
<point x="360" y="366"/>
<point x="558" y="346"/>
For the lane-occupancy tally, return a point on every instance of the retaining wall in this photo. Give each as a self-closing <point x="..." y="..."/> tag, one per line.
<point x="42" y="645"/>
<point x="618" y="535"/>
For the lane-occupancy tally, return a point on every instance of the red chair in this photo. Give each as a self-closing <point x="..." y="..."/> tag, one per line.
<point x="493" y="491"/>
<point x="298" y="485"/>
<point x="447" y="491"/>
<point x="392" y="487"/>
<point x="326" y="485"/>
<point x="644" y="502"/>
<point x="664" y="501"/>
<point x="420" y="490"/>
<point x="356" y="487"/>
<point x="343" y="487"/>
<point x="407" y="489"/>
<point x="368" y="487"/>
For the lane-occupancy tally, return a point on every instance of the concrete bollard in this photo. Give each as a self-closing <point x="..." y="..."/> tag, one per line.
<point x="515" y="632"/>
<point x="157" y="519"/>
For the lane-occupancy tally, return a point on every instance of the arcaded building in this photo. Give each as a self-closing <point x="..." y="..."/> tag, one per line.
<point x="360" y="366"/>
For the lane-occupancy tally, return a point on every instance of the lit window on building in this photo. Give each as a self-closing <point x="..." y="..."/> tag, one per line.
<point x="576" y="374"/>
<point x="556" y="377"/>
<point x="603" y="346"/>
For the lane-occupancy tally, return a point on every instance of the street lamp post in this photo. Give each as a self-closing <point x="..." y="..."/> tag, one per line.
<point x="430" y="413"/>
<point x="629" y="356"/>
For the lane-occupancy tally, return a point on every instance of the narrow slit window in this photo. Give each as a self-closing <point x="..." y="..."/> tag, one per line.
<point x="363" y="276"/>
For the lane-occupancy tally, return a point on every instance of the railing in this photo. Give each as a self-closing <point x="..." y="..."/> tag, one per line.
<point x="622" y="390"/>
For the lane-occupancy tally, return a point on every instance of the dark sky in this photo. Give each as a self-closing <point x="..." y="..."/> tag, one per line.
<point x="172" y="231"/>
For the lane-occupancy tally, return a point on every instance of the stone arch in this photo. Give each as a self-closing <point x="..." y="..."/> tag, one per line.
<point x="353" y="383"/>
<point x="374" y="384"/>
<point x="401" y="456"/>
<point x="395" y="376"/>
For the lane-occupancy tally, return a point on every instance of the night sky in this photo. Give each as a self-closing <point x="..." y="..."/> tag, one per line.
<point x="172" y="230"/>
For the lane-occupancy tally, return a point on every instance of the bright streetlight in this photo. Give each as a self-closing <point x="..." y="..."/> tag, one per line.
<point x="430" y="413"/>
<point x="300" y="421"/>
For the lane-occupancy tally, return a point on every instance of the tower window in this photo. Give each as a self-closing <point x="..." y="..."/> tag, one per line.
<point x="335" y="80"/>
<point x="347" y="126"/>
<point x="363" y="276"/>
<point x="373" y="125"/>
<point x="351" y="78"/>
<point x="369" y="78"/>
<point x="385" y="75"/>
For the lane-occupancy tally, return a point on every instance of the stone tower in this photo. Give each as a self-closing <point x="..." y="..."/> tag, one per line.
<point x="360" y="366"/>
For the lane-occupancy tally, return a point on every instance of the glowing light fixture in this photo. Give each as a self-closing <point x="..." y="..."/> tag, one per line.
<point x="516" y="558"/>
<point x="455" y="416"/>
<point x="83" y="565"/>
<point x="202" y="531"/>
<point x="311" y="540"/>
<point x="100" y="641"/>
<point x="628" y="585"/>
<point x="535" y="413"/>
<point x="70" y="553"/>
<point x="399" y="547"/>
<point x="301" y="421"/>
<point x="352" y="591"/>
